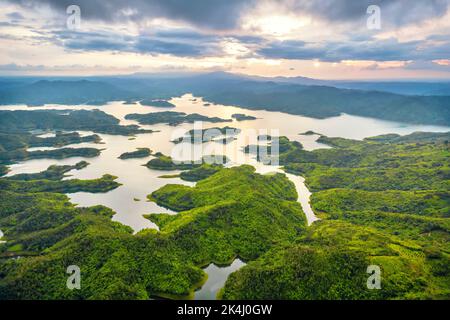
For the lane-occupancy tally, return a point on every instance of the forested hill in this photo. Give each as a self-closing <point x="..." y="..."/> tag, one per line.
<point x="318" y="101"/>
<point x="61" y="92"/>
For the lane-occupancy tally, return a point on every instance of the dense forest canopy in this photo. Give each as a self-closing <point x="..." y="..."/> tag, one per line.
<point x="383" y="215"/>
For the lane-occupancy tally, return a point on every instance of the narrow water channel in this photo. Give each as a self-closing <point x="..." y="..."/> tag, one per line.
<point x="217" y="276"/>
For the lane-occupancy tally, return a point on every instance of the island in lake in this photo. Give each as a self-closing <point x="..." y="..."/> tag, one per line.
<point x="172" y="118"/>
<point x="242" y="117"/>
<point x="139" y="153"/>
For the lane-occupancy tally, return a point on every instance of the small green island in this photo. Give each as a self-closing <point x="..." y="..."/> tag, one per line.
<point x="207" y="135"/>
<point x="201" y="172"/>
<point x="242" y="117"/>
<point x="65" y="120"/>
<point x="159" y="103"/>
<point x="309" y="133"/>
<point x="129" y="102"/>
<point x="53" y="172"/>
<point x="196" y="174"/>
<point x="14" y="146"/>
<point x="139" y="153"/>
<point x="171" y="118"/>
<point x="166" y="163"/>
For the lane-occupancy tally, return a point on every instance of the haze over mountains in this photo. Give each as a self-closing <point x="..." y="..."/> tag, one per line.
<point x="410" y="102"/>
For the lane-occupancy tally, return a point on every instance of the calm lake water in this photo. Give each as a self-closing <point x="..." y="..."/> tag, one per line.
<point x="138" y="181"/>
<point x="217" y="276"/>
<point x="129" y="200"/>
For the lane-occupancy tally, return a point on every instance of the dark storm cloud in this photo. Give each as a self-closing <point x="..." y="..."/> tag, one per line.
<point x="92" y="41"/>
<point x="393" y="12"/>
<point x="155" y="46"/>
<point x="161" y="42"/>
<point x="200" y="41"/>
<point x="214" y="14"/>
<point x="15" y="16"/>
<point x="381" y="50"/>
<point x="225" y="14"/>
<point x="185" y="34"/>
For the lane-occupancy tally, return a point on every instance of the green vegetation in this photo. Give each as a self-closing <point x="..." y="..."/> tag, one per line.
<point x="172" y="118"/>
<point x="169" y="176"/>
<point x="59" y="140"/>
<point x="114" y="263"/>
<point x="234" y="212"/>
<point x="230" y="89"/>
<point x="383" y="201"/>
<point x="275" y="147"/>
<point x="162" y="162"/>
<point x="3" y="170"/>
<point x="13" y="147"/>
<point x="16" y="139"/>
<point x="242" y="117"/>
<point x="327" y="101"/>
<point x="308" y="133"/>
<point x="157" y="103"/>
<point x="68" y="120"/>
<point x="103" y="184"/>
<point x="49" y="154"/>
<point x="206" y="135"/>
<point x="52" y="173"/>
<point x="200" y="173"/>
<point x="227" y="218"/>
<point x="139" y="153"/>
<point x="330" y="262"/>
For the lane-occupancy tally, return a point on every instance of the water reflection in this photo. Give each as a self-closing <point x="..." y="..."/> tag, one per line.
<point x="139" y="181"/>
<point x="217" y="276"/>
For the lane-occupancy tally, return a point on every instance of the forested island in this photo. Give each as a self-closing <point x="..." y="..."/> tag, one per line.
<point x="14" y="146"/>
<point x="68" y="120"/>
<point x="163" y="162"/>
<point x="139" y="153"/>
<point x="157" y="103"/>
<point x="242" y="117"/>
<point x="20" y="131"/>
<point x="207" y="135"/>
<point x="172" y="118"/>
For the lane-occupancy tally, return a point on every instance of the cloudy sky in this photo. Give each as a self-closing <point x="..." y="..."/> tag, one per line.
<point x="327" y="39"/>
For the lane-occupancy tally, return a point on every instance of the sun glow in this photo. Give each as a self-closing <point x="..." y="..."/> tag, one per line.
<point x="276" y="25"/>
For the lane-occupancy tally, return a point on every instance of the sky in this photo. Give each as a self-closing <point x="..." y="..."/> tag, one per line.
<point x="324" y="39"/>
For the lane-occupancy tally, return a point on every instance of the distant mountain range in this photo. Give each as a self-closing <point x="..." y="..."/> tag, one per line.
<point x="411" y="102"/>
<point x="427" y="88"/>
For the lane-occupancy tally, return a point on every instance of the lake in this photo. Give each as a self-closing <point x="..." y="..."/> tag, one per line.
<point x="129" y="200"/>
<point x="217" y="276"/>
<point x="139" y="181"/>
